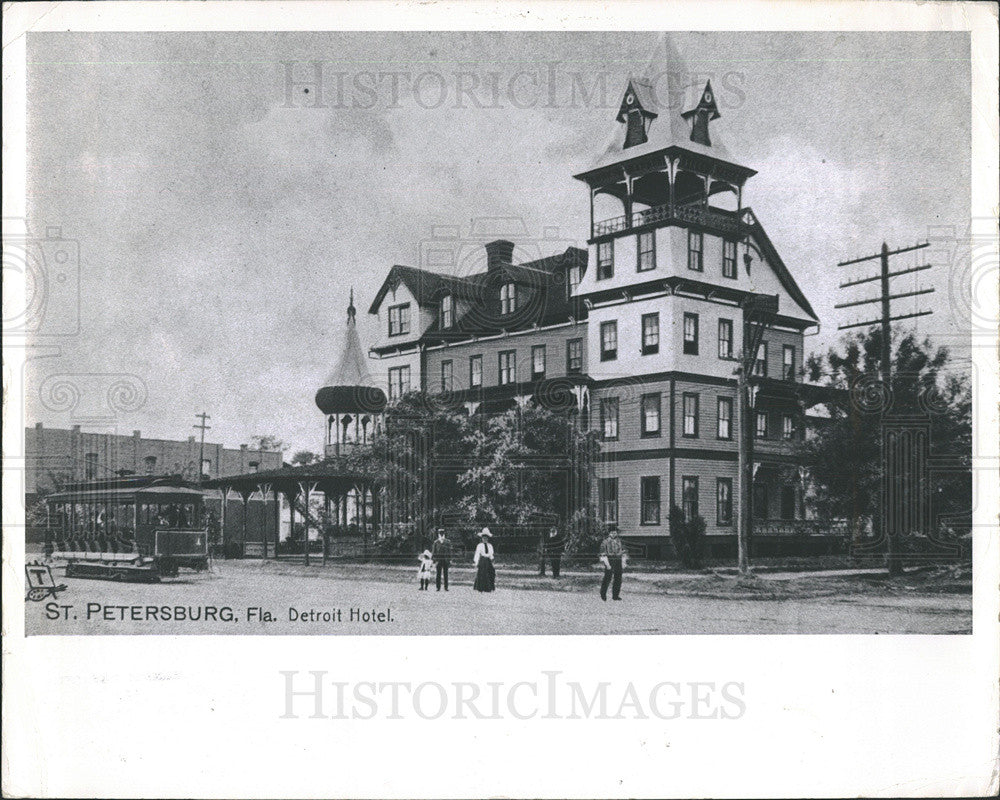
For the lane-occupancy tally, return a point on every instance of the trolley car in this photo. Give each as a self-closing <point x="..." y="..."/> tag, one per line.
<point x="128" y="529"/>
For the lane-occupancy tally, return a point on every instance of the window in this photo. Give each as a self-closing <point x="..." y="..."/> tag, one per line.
<point x="608" y="498"/>
<point x="399" y="319"/>
<point x="691" y="334"/>
<point x="647" y="252"/>
<point x="728" y="259"/>
<point x="508" y="366"/>
<point x="605" y="260"/>
<point x="90" y="466"/>
<point x="609" y="418"/>
<point x="787" y="426"/>
<point x="538" y="361"/>
<point x="447" y="311"/>
<point x="690" y="403"/>
<point x="254" y="466"/>
<point x="761" y="428"/>
<point x="649" y="409"/>
<point x="788" y="362"/>
<point x="573" y="275"/>
<point x="206" y="466"/>
<point x="725" y="418"/>
<point x="649" y="500"/>
<point x="696" y="242"/>
<point x="760" y="365"/>
<point x="725" y="338"/>
<point x="650" y="334"/>
<point x="609" y="341"/>
<point x="574" y="356"/>
<point x="724" y="501"/>
<point x="475" y="371"/>
<point x="689" y="497"/>
<point x="399" y="382"/>
<point x="508" y="299"/>
<point x="150" y="464"/>
<point x="447" y="376"/>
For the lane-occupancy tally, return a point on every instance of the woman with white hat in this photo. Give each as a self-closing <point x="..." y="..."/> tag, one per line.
<point x="483" y="559"/>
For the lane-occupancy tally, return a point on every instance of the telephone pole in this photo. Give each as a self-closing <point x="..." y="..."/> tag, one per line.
<point x="202" y="427"/>
<point x="889" y="528"/>
<point x="758" y="312"/>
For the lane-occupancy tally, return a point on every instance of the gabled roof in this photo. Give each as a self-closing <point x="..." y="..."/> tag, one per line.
<point x="667" y="89"/>
<point x="752" y="225"/>
<point x="427" y="287"/>
<point x="478" y="289"/>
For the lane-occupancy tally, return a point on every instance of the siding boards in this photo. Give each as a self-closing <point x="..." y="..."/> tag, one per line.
<point x="555" y="356"/>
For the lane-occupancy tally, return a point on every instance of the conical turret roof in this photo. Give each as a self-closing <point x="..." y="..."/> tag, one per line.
<point x="349" y="387"/>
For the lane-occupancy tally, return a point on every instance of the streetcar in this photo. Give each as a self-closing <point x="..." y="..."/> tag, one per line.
<point x="128" y="529"/>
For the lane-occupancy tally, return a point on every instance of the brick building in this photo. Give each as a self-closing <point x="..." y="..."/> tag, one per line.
<point x="643" y="329"/>
<point x="56" y="456"/>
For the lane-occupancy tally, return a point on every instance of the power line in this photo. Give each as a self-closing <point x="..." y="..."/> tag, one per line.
<point x="886" y="319"/>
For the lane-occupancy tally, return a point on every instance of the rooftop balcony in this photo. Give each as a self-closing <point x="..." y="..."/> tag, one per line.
<point x="715" y="219"/>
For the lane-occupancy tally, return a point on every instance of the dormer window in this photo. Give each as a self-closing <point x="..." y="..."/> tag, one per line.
<point x="399" y="319"/>
<point x="635" y="116"/>
<point x="447" y="311"/>
<point x="508" y="299"/>
<point x="572" y="280"/>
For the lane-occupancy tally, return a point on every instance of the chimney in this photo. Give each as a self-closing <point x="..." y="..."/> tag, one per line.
<point x="498" y="252"/>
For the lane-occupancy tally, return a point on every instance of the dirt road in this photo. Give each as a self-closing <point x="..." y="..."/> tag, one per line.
<point x="267" y="598"/>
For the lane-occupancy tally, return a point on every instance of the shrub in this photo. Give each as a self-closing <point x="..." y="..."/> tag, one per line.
<point x="688" y="538"/>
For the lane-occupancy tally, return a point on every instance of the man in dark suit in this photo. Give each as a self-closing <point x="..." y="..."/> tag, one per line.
<point x="441" y="550"/>
<point x="552" y="548"/>
<point x="612" y="555"/>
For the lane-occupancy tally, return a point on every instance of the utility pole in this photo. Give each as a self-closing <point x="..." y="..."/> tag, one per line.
<point x="889" y="528"/>
<point x="202" y="427"/>
<point x="758" y="312"/>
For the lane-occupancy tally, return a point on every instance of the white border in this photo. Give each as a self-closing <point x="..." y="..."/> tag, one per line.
<point x="198" y="716"/>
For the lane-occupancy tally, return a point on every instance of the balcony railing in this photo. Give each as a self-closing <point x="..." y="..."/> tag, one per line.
<point x="705" y="216"/>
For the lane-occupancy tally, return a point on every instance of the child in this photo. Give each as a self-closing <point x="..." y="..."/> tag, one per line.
<point x="426" y="570"/>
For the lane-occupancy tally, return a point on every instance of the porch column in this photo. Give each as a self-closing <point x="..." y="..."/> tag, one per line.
<point x="245" y="497"/>
<point x="264" y="489"/>
<point x="277" y="521"/>
<point x="224" y="493"/>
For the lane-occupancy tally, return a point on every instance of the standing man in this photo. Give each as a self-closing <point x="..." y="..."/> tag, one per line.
<point x="612" y="555"/>
<point x="441" y="550"/>
<point x="552" y="547"/>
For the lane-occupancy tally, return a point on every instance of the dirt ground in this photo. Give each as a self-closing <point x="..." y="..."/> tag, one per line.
<point x="254" y="597"/>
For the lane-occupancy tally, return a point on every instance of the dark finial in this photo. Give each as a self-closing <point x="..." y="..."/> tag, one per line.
<point x="351" y="310"/>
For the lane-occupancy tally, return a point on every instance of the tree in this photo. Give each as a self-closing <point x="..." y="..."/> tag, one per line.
<point x="506" y="469"/>
<point x="304" y="458"/>
<point x="267" y="443"/>
<point x="526" y="463"/>
<point x="422" y="449"/>
<point x="846" y="450"/>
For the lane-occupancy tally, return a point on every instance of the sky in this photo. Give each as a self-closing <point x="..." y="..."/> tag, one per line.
<point x="223" y="204"/>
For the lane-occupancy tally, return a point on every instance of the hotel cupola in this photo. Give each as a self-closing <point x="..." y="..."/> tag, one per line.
<point x="665" y="165"/>
<point x="353" y="405"/>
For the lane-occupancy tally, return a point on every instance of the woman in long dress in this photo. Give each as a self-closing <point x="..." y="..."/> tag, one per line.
<point x="483" y="559"/>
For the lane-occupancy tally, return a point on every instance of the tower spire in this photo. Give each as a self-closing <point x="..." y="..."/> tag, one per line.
<point x="351" y="310"/>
